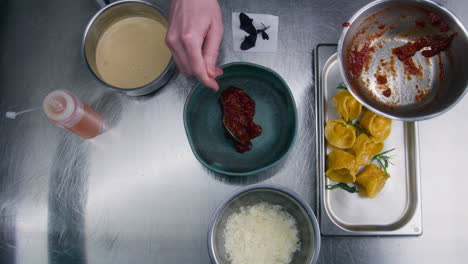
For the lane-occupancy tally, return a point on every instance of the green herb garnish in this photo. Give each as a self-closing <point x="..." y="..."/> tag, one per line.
<point x="355" y="124"/>
<point x="383" y="160"/>
<point x="344" y="186"/>
<point x="342" y="86"/>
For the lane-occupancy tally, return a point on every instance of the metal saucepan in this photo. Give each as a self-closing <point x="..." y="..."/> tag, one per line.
<point x="111" y="14"/>
<point x="389" y="83"/>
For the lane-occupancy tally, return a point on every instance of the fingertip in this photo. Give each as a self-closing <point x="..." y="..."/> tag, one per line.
<point x="211" y="72"/>
<point x="211" y="84"/>
<point x="215" y="72"/>
<point x="218" y="71"/>
<point x="216" y="87"/>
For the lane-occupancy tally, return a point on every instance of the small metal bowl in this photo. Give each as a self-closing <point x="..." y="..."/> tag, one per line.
<point x="309" y="233"/>
<point x="388" y="24"/>
<point x="108" y="16"/>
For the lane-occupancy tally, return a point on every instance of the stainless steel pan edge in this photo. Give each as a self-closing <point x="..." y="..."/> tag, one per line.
<point x="410" y="224"/>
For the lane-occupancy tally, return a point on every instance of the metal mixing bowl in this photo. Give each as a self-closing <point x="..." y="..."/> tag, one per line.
<point x="388" y="24"/>
<point x="111" y="14"/>
<point x="309" y="233"/>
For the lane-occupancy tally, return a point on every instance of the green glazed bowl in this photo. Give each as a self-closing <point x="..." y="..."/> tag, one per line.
<point x="275" y="111"/>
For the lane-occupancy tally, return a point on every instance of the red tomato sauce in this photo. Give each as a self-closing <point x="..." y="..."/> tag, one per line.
<point x="420" y="22"/>
<point x="436" y="43"/>
<point x="238" y="112"/>
<point x="437" y="21"/>
<point x="387" y="92"/>
<point x="357" y="59"/>
<point x="381" y="79"/>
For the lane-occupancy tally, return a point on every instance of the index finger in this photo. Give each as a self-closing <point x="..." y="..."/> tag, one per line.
<point x="193" y="47"/>
<point x="211" y="46"/>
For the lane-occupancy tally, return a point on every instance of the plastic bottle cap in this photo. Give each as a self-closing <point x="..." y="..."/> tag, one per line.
<point x="59" y="106"/>
<point x="11" y="115"/>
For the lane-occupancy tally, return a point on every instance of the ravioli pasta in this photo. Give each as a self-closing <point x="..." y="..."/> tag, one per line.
<point x="377" y="126"/>
<point x="371" y="180"/>
<point x="340" y="134"/>
<point x="346" y="105"/>
<point x="341" y="166"/>
<point x="365" y="148"/>
<point x="357" y="145"/>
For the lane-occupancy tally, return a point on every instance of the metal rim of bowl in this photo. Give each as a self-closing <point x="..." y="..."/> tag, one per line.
<point x="278" y="188"/>
<point x="343" y="74"/>
<point x="248" y="173"/>
<point x="163" y="78"/>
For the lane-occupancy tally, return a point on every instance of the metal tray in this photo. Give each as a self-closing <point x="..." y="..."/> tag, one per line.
<point x="397" y="209"/>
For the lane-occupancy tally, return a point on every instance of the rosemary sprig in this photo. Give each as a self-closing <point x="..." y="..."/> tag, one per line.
<point x="383" y="160"/>
<point x="342" y="86"/>
<point x="344" y="186"/>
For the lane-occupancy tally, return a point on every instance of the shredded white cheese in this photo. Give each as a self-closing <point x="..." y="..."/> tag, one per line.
<point x="261" y="234"/>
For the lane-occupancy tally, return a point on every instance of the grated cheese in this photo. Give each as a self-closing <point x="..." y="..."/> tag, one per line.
<point x="261" y="234"/>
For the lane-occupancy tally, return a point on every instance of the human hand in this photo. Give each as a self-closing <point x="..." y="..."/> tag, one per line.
<point x="194" y="36"/>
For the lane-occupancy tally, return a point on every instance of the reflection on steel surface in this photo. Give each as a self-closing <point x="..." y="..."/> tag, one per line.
<point x="140" y="195"/>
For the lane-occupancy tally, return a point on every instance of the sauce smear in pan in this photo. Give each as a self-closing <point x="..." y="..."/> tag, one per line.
<point x="436" y="43"/>
<point x="359" y="58"/>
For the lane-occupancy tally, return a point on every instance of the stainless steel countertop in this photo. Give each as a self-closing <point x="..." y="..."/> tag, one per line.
<point x="136" y="194"/>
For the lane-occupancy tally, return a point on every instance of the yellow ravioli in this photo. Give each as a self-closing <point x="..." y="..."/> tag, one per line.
<point x="347" y="106"/>
<point x="377" y="126"/>
<point x="365" y="148"/>
<point x="371" y="180"/>
<point x="341" y="166"/>
<point x="340" y="134"/>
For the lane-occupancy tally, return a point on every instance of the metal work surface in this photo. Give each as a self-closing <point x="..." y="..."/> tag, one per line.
<point x="397" y="209"/>
<point x="137" y="194"/>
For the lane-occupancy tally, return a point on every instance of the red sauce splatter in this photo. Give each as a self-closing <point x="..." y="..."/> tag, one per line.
<point x="420" y="22"/>
<point x="363" y="31"/>
<point x="417" y="86"/>
<point x="382" y="26"/>
<point x="403" y="16"/>
<point x="443" y="27"/>
<point x="368" y="59"/>
<point x="436" y="43"/>
<point x="378" y="35"/>
<point x="238" y="112"/>
<point x="392" y="27"/>
<point x="357" y="59"/>
<point x="346" y="24"/>
<point x="437" y="21"/>
<point x="387" y="92"/>
<point x="411" y="68"/>
<point x="381" y="79"/>
<point x="441" y="69"/>
<point x="420" y="95"/>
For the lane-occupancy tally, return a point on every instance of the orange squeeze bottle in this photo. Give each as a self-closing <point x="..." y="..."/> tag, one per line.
<point x="65" y="110"/>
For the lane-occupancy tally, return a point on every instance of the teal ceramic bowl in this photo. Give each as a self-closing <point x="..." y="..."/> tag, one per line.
<point x="275" y="111"/>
